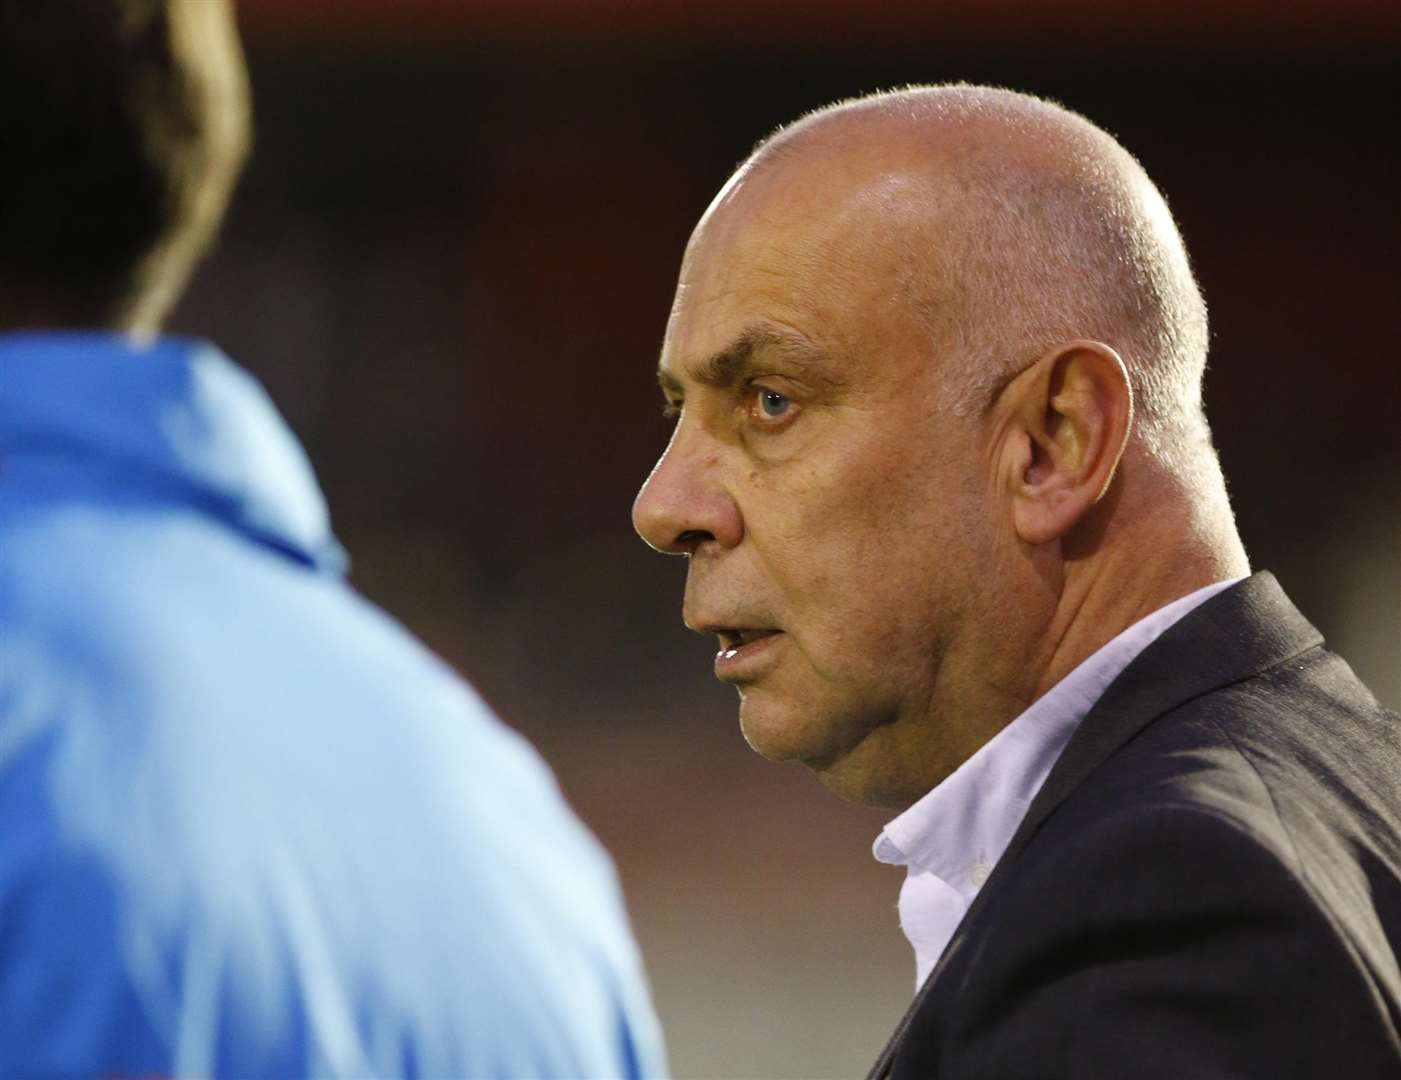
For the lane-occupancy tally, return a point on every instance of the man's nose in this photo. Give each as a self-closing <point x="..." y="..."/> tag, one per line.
<point x="684" y="504"/>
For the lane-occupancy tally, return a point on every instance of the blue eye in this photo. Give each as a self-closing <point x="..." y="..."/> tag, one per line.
<point x="773" y="404"/>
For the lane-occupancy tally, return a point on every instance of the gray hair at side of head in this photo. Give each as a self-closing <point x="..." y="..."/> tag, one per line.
<point x="1035" y="249"/>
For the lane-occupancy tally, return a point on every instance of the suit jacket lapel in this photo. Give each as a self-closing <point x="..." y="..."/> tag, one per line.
<point x="1235" y="635"/>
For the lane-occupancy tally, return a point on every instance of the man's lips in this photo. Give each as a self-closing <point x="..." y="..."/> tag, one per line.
<point x="747" y="649"/>
<point x="745" y="652"/>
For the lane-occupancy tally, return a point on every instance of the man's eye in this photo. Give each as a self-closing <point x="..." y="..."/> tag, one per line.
<point x="773" y="404"/>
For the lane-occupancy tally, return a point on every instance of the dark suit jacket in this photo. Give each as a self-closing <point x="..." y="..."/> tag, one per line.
<point x="1207" y="886"/>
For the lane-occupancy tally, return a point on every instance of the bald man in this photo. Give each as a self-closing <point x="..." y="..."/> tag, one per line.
<point x="952" y="512"/>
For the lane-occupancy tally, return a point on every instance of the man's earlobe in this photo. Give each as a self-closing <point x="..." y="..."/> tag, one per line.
<point x="1071" y="417"/>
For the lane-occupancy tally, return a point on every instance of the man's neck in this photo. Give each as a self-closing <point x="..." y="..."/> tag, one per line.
<point x="1108" y="594"/>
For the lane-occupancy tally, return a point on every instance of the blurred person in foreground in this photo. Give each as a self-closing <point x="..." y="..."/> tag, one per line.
<point x="248" y="826"/>
<point x="951" y="508"/>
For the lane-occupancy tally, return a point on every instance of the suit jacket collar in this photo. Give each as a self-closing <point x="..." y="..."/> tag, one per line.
<point x="1235" y="635"/>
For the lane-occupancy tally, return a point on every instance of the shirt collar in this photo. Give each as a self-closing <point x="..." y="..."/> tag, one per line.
<point x="177" y="416"/>
<point x="960" y="829"/>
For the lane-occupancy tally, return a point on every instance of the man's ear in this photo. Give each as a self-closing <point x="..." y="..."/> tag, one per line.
<point x="1067" y="421"/>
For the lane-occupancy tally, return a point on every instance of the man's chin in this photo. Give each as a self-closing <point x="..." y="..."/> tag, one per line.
<point x="771" y="743"/>
<point x="781" y="732"/>
<point x="865" y="766"/>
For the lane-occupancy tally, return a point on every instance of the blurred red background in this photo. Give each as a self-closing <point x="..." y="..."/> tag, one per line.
<point x="451" y="262"/>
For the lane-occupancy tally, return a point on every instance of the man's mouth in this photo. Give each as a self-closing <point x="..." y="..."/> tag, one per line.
<point x="746" y="653"/>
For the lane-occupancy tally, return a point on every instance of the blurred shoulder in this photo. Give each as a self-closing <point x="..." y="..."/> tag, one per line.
<point x="270" y="787"/>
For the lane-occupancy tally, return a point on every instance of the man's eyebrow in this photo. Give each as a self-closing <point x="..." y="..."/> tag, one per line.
<point x="737" y="360"/>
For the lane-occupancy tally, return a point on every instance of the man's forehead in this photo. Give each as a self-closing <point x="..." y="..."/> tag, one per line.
<point x="777" y="266"/>
<point x="742" y="292"/>
<point x="800" y="227"/>
<point x="802" y="260"/>
<point x="800" y="200"/>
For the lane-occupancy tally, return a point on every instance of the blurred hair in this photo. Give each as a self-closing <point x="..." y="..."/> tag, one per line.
<point x="1032" y="248"/>
<point x="126" y="123"/>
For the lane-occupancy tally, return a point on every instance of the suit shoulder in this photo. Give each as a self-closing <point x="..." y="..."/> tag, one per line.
<point x="1273" y="799"/>
<point x="1301" y="754"/>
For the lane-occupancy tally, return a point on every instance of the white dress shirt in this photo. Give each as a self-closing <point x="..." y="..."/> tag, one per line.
<point x="950" y="840"/>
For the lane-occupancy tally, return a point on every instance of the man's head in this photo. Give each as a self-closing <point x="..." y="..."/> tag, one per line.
<point x="913" y="340"/>
<point x="127" y="123"/>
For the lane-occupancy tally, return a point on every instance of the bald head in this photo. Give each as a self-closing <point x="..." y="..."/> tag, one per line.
<point x="1012" y="225"/>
